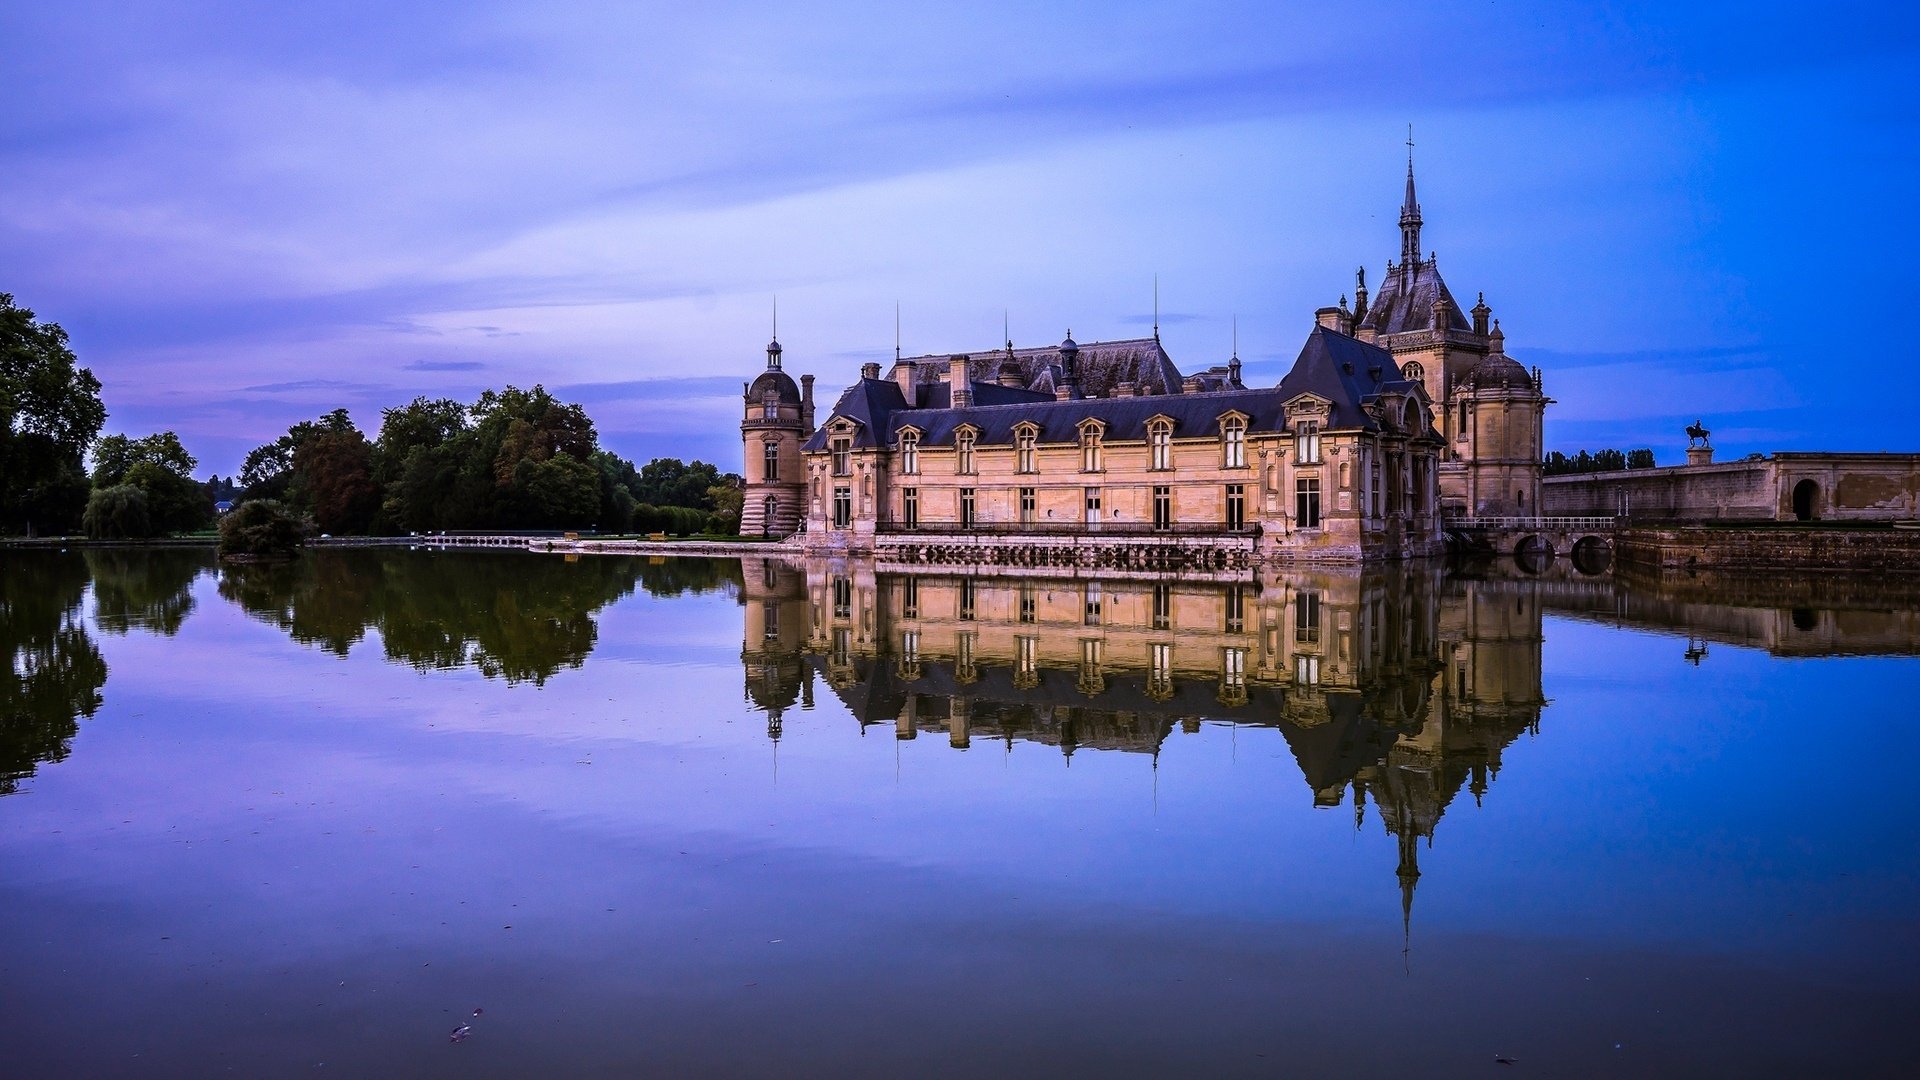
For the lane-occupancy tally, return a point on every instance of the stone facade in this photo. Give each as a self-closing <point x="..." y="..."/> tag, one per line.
<point x="1780" y="487"/>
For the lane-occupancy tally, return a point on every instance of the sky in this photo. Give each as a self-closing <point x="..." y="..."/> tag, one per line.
<point x="247" y="215"/>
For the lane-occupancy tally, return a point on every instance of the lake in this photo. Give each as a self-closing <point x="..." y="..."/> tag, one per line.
<point x="384" y="812"/>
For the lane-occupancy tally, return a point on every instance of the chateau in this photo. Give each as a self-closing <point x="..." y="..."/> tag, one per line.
<point x="1398" y="411"/>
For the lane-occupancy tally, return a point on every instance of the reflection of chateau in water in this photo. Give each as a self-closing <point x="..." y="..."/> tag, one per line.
<point x="1393" y="686"/>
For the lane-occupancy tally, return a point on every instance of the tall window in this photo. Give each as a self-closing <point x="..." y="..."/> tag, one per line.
<point x="1094" y="601"/>
<point x="963" y="457"/>
<point x="1461" y="431"/>
<point x="842" y="506"/>
<point x="1090" y="450"/>
<point x="1307" y="435"/>
<point x="909" y="452"/>
<point x="1162" y="607"/>
<point x="963" y="666"/>
<point x="910" y="507"/>
<point x="1092" y="499"/>
<point x="842" y="598"/>
<point x="1027" y="611"/>
<point x="1024" y="442"/>
<point x="1160" y="671"/>
<point x="1236" y="609"/>
<point x="770" y="462"/>
<point x="1160" y="445"/>
<point x="910" y="598"/>
<point x="1233" y="675"/>
<point x="1236" y="506"/>
<point x="966" y="508"/>
<point x="842" y="457"/>
<point x="770" y="618"/>
<point x="1163" y="507"/>
<point x="1306" y="669"/>
<point x="1233" y="439"/>
<point x="966" y="599"/>
<point x="1306" y="502"/>
<point x="1306" y="618"/>
<point x="1026" y="506"/>
<point x="1373" y="494"/>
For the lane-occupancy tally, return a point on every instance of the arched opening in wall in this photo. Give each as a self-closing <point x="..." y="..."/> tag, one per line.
<point x="1533" y="554"/>
<point x="1806" y="501"/>
<point x="1805" y="619"/>
<point x="1592" y="555"/>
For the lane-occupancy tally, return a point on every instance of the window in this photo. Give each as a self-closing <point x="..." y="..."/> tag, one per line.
<point x="909" y="453"/>
<point x="1026" y="661"/>
<point x="1090" y="450"/>
<point x="770" y="462"/>
<point x="1160" y="671"/>
<point x="1160" y="444"/>
<point x="1306" y="618"/>
<point x="1233" y="675"/>
<point x="1092" y="617"/>
<point x="1026" y="603"/>
<point x="1306" y="669"/>
<point x="910" y="507"/>
<point x="767" y="507"/>
<point x="1373" y="498"/>
<point x="1236" y="507"/>
<point x="1306" y="502"/>
<point x="842" y="506"/>
<point x="1236" y="620"/>
<point x="910" y="598"/>
<point x="1461" y="431"/>
<point x="966" y="599"/>
<point x="963" y="458"/>
<point x="1163" y="507"/>
<point x="1092" y="498"/>
<point x="1412" y="371"/>
<point x="1026" y="506"/>
<point x="842" y="457"/>
<point x="1233" y="440"/>
<point x="909" y="654"/>
<point x="842" y="598"/>
<point x="1024" y="442"/>
<point x="963" y="668"/>
<point x="966" y="508"/>
<point x="770" y="411"/>
<point x="1092" y="652"/>
<point x="770" y="618"/>
<point x="1162" y="607"/>
<point x="1307" y="436"/>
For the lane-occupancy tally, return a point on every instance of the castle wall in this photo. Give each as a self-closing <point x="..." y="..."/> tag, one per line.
<point x="1843" y="487"/>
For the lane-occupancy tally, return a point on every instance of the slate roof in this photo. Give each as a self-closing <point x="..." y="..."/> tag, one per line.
<point x="1406" y="299"/>
<point x="778" y="381"/>
<point x="1100" y="366"/>
<point x="1345" y="371"/>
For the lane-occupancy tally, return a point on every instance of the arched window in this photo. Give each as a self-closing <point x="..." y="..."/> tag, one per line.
<point x="1160" y="444"/>
<point x="1025" y="442"/>
<point x="770" y="462"/>
<point x="1090" y="448"/>
<point x="963" y="456"/>
<point x="1412" y="371"/>
<point x="1233" y="443"/>
<point x="910" y="452"/>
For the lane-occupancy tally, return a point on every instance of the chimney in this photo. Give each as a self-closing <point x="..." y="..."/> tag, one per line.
<point x="960" y="380"/>
<point x="1329" y="318"/>
<point x="1123" y="389"/>
<point x="1190" y="385"/>
<point x="869" y="371"/>
<point x="806" y="402"/>
<point x="1063" y="392"/>
<point x="903" y="374"/>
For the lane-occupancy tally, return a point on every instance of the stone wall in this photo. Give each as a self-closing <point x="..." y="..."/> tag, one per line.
<point x="1730" y="549"/>
<point x="1783" y="487"/>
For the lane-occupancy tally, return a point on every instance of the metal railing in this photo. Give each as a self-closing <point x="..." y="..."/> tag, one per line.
<point x="1067" y="528"/>
<point x="1536" y="524"/>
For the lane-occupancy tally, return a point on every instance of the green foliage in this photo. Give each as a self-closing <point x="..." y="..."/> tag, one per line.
<point x="57" y="669"/>
<point x="116" y="455"/>
<point x="50" y="413"/>
<point x="117" y="513"/>
<point x="1587" y="461"/>
<point x="261" y="527"/>
<point x="333" y="473"/>
<point x="163" y="471"/>
<point x="672" y="482"/>
<point x="267" y="472"/>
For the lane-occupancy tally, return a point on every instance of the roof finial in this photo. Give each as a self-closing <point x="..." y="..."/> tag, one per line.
<point x="1409" y="216"/>
<point x="1156" y="307"/>
<point x="896" y="331"/>
<point x="776" y="316"/>
<point x="1236" y="336"/>
<point x="1006" y="326"/>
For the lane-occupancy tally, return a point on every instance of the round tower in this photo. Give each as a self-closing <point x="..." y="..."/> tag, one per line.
<point x="778" y="418"/>
<point x="1501" y="411"/>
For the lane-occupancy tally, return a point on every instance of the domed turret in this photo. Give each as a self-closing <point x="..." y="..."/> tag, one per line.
<point x="779" y="382"/>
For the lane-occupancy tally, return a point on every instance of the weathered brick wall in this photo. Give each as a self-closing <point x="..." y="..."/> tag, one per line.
<point x="1734" y="550"/>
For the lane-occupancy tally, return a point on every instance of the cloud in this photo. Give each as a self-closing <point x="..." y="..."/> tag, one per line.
<point x="303" y="385"/>
<point x="444" y="365"/>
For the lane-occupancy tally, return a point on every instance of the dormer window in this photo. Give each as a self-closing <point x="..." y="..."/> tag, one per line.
<point x="1306" y="437"/>
<point x="910" y="453"/>
<point x="1233" y="442"/>
<point x="1026" y="440"/>
<point x="842" y="457"/>
<point x="1090" y="448"/>
<point x="1160" y="444"/>
<point x="963" y="451"/>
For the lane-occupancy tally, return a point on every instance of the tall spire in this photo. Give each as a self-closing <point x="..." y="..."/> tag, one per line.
<point x="773" y="347"/>
<point x="1156" y="307"/>
<point x="1409" y="216"/>
<point x="896" y="331"/>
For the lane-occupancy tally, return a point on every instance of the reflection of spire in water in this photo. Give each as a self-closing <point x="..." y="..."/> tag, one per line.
<point x="1409" y="874"/>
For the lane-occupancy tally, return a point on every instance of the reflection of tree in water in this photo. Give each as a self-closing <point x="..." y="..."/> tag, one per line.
<point x="511" y="616"/>
<point x="667" y="577"/>
<point x="55" y="672"/>
<point x="147" y="588"/>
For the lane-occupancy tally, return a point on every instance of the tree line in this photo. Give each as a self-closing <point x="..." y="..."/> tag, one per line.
<point x="1586" y="461"/>
<point x="512" y="460"/>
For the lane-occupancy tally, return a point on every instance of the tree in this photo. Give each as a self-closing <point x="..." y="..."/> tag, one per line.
<point x="334" y="474"/>
<point x="1640" y="459"/>
<point x="50" y="413"/>
<point x="672" y="482"/>
<point x="117" y="513"/>
<point x="115" y="455"/>
<point x="163" y="470"/>
<point x="267" y="472"/>
<point x="261" y="527"/>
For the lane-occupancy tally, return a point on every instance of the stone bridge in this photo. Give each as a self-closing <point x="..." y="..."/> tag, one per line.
<point x="1534" y="542"/>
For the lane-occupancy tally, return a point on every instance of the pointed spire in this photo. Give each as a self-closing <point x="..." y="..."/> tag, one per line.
<point x="773" y="347"/>
<point x="896" y="331"/>
<point x="1409" y="216"/>
<point x="1156" y="307"/>
<point x="1409" y="874"/>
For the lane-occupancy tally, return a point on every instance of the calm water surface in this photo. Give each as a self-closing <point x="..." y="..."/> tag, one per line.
<point x="619" y="817"/>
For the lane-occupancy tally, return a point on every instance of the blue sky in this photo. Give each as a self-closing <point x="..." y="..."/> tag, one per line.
<point x="247" y="215"/>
